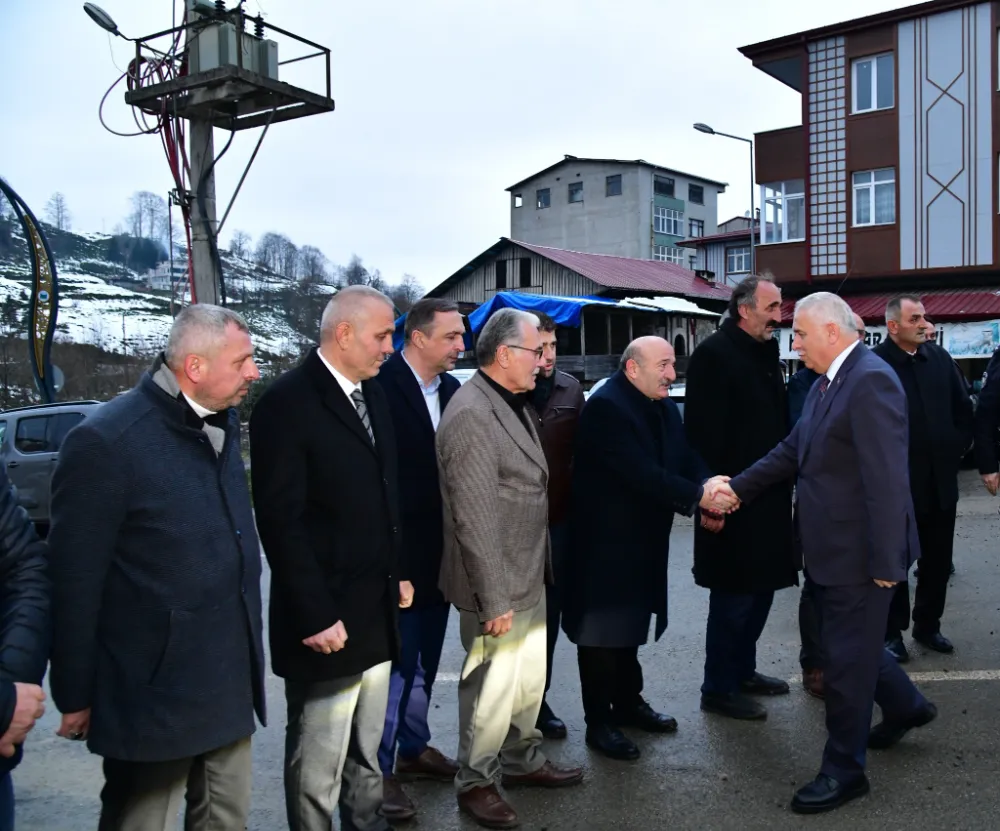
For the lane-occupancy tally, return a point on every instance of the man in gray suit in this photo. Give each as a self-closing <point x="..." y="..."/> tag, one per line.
<point x="495" y="564"/>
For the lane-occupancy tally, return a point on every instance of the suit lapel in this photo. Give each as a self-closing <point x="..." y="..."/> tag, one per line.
<point x="525" y="437"/>
<point x="821" y="406"/>
<point x="336" y="401"/>
<point x="403" y="376"/>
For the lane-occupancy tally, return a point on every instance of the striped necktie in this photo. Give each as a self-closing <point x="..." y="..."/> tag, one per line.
<point x="824" y="383"/>
<point x="359" y="402"/>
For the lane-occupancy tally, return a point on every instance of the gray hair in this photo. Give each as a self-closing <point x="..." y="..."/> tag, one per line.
<point x="631" y="353"/>
<point x="345" y="306"/>
<point x="200" y="330"/>
<point x="894" y="308"/>
<point x="828" y="308"/>
<point x="745" y="294"/>
<point x="504" y="327"/>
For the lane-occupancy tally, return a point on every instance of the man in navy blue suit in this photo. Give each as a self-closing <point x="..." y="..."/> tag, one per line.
<point x="418" y="387"/>
<point x="859" y="538"/>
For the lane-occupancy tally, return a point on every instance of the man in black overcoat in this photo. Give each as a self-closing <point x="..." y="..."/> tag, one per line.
<point x="736" y="412"/>
<point x="940" y="432"/>
<point x="324" y="470"/>
<point x="632" y="471"/>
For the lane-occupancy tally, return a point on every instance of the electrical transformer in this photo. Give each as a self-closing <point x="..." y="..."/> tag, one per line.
<point x="216" y="45"/>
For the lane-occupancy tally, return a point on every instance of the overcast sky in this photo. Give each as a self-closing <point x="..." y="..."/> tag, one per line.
<point x="440" y="106"/>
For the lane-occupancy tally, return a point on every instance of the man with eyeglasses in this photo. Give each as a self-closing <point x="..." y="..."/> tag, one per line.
<point x="496" y="560"/>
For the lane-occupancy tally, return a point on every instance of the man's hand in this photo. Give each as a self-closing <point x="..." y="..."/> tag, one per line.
<point x="499" y="626"/>
<point x="329" y="640"/>
<point x="992" y="482"/>
<point x="713" y="523"/>
<point x="405" y="594"/>
<point x="718" y="496"/>
<point x="75" y="726"/>
<point x="27" y="711"/>
<point x="885" y="584"/>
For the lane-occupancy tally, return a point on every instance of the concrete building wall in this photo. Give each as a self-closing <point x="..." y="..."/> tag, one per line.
<point x="945" y="209"/>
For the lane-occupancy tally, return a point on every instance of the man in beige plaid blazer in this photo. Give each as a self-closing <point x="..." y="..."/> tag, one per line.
<point x="496" y="559"/>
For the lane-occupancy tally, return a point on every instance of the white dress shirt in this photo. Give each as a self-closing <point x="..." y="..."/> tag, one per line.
<point x="194" y="405"/>
<point x="838" y="362"/>
<point x="347" y="386"/>
<point x="432" y="395"/>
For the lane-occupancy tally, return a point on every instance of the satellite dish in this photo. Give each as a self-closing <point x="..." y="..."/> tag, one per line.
<point x="101" y="18"/>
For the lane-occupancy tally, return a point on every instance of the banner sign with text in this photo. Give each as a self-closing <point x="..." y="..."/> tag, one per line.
<point x="961" y="340"/>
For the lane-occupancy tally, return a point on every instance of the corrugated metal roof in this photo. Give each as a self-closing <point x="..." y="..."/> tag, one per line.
<point x="629" y="273"/>
<point x="950" y="304"/>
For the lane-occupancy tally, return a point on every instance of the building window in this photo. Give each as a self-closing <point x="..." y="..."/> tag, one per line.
<point x="696" y="194"/>
<point x="668" y="254"/>
<point x="696" y="228"/>
<point x="875" y="197"/>
<point x="518" y="200"/>
<point x="873" y="83"/>
<point x="613" y="185"/>
<point x="692" y="261"/>
<point x="668" y="221"/>
<point x="576" y="191"/>
<point x="525" y="273"/>
<point x="543" y="198"/>
<point x="738" y="260"/>
<point x="784" y="211"/>
<point x="663" y="186"/>
<point x="500" y="267"/>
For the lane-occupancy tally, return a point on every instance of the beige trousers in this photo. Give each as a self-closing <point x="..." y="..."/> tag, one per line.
<point x="499" y="696"/>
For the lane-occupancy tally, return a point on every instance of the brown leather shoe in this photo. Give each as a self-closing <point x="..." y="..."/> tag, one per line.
<point x="547" y="776"/>
<point x="396" y="805"/>
<point x="431" y="764"/>
<point x="812" y="680"/>
<point x="488" y="808"/>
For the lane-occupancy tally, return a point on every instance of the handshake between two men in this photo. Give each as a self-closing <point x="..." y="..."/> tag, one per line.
<point x="718" y="499"/>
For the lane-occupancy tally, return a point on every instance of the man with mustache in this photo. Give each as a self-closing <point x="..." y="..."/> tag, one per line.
<point x="736" y="412"/>
<point x="632" y="471"/>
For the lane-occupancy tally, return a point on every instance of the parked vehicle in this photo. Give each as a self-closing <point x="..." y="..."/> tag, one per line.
<point x="30" y="438"/>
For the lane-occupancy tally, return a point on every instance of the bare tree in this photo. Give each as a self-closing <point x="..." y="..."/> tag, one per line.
<point x="312" y="264"/>
<point x="57" y="211"/>
<point x="268" y="251"/>
<point x="408" y="292"/>
<point x="354" y="273"/>
<point x="239" y="244"/>
<point x="289" y="262"/>
<point x="148" y="211"/>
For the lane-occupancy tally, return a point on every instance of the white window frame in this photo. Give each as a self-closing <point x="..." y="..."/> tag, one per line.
<point x="668" y="254"/>
<point x="667" y="218"/>
<point x="866" y="190"/>
<point x="873" y="60"/>
<point x="738" y="255"/>
<point x="774" y="199"/>
<point x="691" y="232"/>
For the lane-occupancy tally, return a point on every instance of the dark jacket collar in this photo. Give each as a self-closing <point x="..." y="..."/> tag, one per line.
<point x="768" y="350"/>
<point x="895" y="354"/>
<point x="514" y="400"/>
<point x="176" y="408"/>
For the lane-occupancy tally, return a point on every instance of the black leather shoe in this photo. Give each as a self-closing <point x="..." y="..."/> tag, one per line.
<point x="646" y="718"/>
<point x="825" y="793"/>
<point x="551" y="727"/>
<point x="894" y="646"/>
<point x="935" y="641"/>
<point x="733" y="705"/>
<point x="764" y="685"/>
<point x="885" y="734"/>
<point x="611" y="742"/>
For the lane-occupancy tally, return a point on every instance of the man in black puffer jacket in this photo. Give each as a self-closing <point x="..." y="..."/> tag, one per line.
<point x="24" y="637"/>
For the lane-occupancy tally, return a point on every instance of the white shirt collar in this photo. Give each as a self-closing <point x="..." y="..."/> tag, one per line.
<point x="428" y="388"/>
<point x="194" y="405"/>
<point x="347" y="386"/>
<point x="838" y="362"/>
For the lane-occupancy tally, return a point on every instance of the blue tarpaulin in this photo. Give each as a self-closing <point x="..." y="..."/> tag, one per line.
<point x="565" y="311"/>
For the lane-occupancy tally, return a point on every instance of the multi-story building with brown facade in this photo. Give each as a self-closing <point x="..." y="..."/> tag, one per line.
<point x="890" y="183"/>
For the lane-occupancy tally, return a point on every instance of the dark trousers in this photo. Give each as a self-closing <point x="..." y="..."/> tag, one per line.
<point x="553" y="593"/>
<point x="421" y="632"/>
<point x="936" y="530"/>
<point x="735" y="622"/>
<point x="858" y="672"/>
<point x="610" y="680"/>
<point x="811" y="651"/>
<point x="6" y="802"/>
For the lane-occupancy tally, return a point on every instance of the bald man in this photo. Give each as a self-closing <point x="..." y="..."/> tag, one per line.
<point x="632" y="471"/>
<point x="324" y="486"/>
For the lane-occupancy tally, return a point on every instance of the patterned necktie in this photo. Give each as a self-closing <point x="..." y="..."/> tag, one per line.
<point x="359" y="402"/>
<point x="824" y="383"/>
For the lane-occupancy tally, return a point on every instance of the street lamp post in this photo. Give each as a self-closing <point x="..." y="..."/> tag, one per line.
<point x="704" y="128"/>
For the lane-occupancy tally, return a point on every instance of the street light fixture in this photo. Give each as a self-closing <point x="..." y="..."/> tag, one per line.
<point x="704" y="128"/>
<point x="102" y="19"/>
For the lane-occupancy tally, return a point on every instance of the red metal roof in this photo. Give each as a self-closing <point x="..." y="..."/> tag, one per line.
<point x="629" y="273"/>
<point x="945" y="304"/>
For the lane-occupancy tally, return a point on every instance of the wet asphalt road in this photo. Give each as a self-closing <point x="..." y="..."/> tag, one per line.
<point x="714" y="773"/>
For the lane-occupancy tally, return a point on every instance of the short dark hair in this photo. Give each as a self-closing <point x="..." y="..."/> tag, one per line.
<point x="421" y="316"/>
<point x="745" y="294"/>
<point x="545" y="323"/>
<point x="894" y="308"/>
